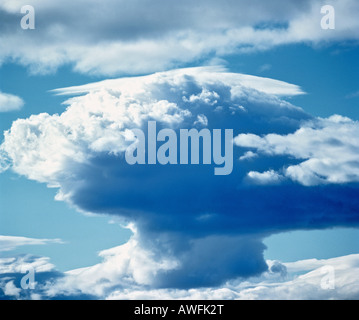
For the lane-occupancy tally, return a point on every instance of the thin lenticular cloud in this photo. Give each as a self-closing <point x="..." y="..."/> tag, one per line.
<point x="191" y="228"/>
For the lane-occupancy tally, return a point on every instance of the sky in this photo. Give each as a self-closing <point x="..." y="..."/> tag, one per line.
<point x="93" y="227"/>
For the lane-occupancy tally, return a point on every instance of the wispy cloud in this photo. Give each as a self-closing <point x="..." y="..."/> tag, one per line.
<point x="264" y="67"/>
<point x="352" y="95"/>
<point x="8" y="243"/>
<point x="10" y="102"/>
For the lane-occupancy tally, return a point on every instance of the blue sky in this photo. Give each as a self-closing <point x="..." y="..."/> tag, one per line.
<point x="98" y="196"/>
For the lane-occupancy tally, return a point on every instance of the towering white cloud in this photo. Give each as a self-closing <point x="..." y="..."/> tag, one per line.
<point x="43" y="146"/>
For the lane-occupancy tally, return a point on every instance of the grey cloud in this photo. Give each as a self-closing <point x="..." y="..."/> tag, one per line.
<point x="122" y="37"/>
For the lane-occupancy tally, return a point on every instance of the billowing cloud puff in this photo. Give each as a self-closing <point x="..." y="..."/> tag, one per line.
<point x="328" y="149"/>
<point x="142" y="36"/>
<point x="200" y="229"/>
<point x="99" y="121"/>
<point x="268" y="177"/>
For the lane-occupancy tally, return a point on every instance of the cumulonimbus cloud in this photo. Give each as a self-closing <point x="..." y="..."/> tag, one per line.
<point x="200" y="229"/>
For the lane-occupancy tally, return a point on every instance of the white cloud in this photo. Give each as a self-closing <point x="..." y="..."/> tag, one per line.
<point x="264" y="67"/>
<point x="8" y="243"/>
<point x="11" y="290"/>
<point x="128" y="265"/>
<point x="328" y="148"/>
<point x="121" y="40"/>
<point x="10" y="102"/>
<point x="42" y="146"/>
<point x="126" y="272"/>
<point x="248" y="155"/>
<point x="201" y="120"/>
<point x="303" y="281"/>
<point x="264" y="178"/>
<point x="14" y="268"/>
<point x="352" y="95"/>
<point x="19" y="263"/>
<point x="205" y="96"/>
<point x="204" y="76"/>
